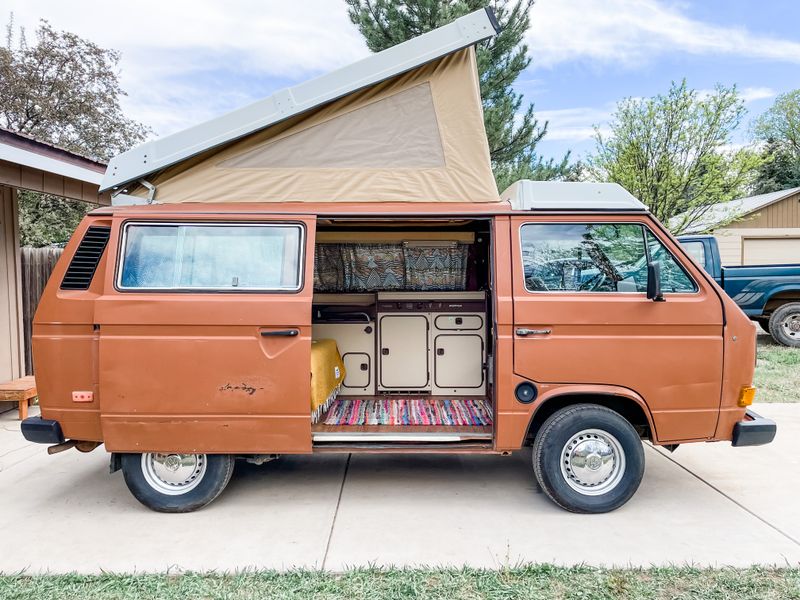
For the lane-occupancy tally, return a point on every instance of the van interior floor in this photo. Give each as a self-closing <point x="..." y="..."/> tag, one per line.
<point x="392" y="418"/>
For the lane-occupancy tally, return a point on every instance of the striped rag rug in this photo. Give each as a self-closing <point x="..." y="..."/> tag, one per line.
<point x="457" y="412"/>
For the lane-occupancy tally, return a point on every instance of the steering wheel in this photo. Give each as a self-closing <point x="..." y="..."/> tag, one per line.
<point x="593" y="284"/>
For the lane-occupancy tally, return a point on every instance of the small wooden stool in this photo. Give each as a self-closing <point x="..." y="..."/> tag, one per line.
<point x="21" y="390"/>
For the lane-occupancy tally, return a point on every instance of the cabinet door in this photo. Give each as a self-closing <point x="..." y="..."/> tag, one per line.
<point x="458" y="361"/>
<point x="404" y="352"/>
<point x="358" y="368"/>
<point x="458" y="322"/>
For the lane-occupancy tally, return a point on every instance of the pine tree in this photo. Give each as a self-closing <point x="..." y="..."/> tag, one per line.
<point x="513" y="131"/>
<point x="779" y="171"/>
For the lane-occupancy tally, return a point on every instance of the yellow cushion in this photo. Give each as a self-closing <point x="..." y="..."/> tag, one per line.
<point x="327" y="371"/>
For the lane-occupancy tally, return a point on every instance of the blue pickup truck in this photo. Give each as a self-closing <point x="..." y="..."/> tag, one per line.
<point x="768" y="294"/>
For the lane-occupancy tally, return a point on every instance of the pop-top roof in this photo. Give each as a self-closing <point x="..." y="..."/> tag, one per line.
<point x="567" y="195"/>
<point x="150" y="158"/>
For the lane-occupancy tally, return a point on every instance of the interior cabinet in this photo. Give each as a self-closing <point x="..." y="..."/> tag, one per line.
<point x="458" y="364"/>
<point x="356" y="344"/>
<point x="404" y="349"/>
<point x="431" y="343"/>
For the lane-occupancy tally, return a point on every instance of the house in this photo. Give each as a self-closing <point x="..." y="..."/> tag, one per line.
<point x="766" y="230"/>
<point x="27" y="164"/>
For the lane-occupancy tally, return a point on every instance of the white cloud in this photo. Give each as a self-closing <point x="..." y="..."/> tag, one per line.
<point x="184" y="61"/>
<point x="752" y="94"/>
<point x="574" y="124"/>
<point x="632" y="32"/>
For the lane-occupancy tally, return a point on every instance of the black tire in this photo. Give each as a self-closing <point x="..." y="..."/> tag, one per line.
<point x="784" y="324"/>
<point x="216" y="472"/>
<point x="549" y="452"/>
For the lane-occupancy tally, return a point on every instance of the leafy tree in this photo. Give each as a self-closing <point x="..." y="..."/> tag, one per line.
<point x="511" y="127"/>
<point x="779" y="130"/>
<point x="781" y="123"/>
<point x="672" y="152"/>
<point x="63" y="90"/>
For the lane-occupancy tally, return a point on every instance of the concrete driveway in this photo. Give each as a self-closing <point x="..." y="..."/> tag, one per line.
<point x="707" y="504"/>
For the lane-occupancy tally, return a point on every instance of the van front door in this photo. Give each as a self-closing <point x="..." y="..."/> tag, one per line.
<point x="205" y="336"/>
<point x="581" y="316"/>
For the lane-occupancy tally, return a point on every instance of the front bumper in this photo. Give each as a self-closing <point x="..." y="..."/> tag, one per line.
<point x="42" y="431"/>
<point x="754" y="430"/>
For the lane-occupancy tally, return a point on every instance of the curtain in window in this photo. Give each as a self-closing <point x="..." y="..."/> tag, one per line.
<point x="390" y="267"/>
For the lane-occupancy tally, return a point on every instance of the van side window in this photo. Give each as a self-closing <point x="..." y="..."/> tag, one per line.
<point x="673" y="277"/>
<point x="595" y="257"/>
<point x="211" y="257"/>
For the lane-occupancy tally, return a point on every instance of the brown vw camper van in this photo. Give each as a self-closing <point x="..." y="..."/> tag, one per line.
<point x="333" y="270"/>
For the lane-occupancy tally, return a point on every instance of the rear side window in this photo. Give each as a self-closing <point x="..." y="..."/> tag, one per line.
<point x="697" y="250"/>
<point x="211" y="257"/>
<point x="596" y="257"/>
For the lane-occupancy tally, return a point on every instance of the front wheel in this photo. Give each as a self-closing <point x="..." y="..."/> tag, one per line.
<point x="784" y="324"/>
<point x="176" y="483"/>
<point x="588" y="459"/>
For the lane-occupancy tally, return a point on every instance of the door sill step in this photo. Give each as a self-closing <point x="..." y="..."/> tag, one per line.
<point x="395" y="436"/>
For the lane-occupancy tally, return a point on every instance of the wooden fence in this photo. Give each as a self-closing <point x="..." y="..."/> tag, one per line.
<point x="37" y="264"/>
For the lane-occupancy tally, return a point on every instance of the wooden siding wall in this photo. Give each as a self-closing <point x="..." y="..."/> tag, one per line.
<point x="11" y="347"/>
<point x="37" y="264"/>
<point x="783" y="214"/>
<point x="26" y="178"/>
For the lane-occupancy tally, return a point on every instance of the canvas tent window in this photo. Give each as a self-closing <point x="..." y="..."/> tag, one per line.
<point x="399" y="131"/>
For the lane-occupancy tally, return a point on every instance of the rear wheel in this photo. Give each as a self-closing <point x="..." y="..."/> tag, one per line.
<point x="784" y="324"/>
<point x="588" y="459"/>
<point x="174" y="482"/>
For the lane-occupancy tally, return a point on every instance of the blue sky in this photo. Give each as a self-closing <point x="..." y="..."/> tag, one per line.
<point x="186" y="61"/>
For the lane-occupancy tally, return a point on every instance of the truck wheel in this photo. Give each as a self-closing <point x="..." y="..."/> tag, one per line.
<point x="176" y="482"/>
<point x="588" y="459"/>
<point x="784" y="324"/>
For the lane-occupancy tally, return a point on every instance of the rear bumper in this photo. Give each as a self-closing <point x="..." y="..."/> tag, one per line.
<point x="42" y="431"/>
<point x="753" y="430"/>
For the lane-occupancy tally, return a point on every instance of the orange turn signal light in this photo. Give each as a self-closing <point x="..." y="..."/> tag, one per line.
<point x="746" y="395"/>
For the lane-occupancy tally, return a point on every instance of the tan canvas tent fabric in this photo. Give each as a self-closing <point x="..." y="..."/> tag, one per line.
<point x="418" y="137"/>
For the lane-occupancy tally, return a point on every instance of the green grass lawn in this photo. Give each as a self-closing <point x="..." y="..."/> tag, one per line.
<point x="540" y="581"/>
<point x="777" y="372"/>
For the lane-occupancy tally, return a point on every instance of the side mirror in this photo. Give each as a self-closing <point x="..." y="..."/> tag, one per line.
<point x="654" y="282"/>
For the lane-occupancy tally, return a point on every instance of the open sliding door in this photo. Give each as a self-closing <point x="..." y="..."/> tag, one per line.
<point x="205" y="336"/>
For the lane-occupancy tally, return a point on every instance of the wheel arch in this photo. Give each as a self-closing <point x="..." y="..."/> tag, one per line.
<point x="629" y="405"/>
<point x="781" y="296"/>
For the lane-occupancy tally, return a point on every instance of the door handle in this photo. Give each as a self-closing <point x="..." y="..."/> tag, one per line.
<point x="524" y="332"/>
<point x="281" y="333"/>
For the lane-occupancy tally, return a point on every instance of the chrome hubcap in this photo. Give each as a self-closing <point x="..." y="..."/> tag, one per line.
<point x="173" y="474"/>
<point x="592" y="462"/>
<point x="791" y="325"/>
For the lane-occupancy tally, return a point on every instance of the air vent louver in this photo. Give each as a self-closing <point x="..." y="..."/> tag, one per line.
<point x="83" y="265"/>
